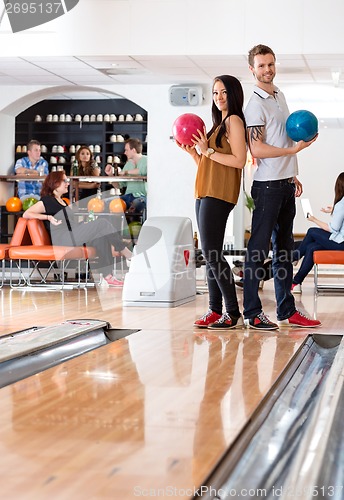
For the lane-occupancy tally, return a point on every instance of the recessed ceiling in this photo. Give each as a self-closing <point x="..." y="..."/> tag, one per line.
<point x="304" y="75"/>
<point x="156" y="70"/>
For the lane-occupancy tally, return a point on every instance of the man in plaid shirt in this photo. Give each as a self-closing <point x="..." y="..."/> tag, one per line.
<point x="31" y="166"/>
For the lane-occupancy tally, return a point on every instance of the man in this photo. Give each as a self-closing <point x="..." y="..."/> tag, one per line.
<point x="32" y="166"/>
<point x="135" y="194"/>
<point x="273" y="190"/>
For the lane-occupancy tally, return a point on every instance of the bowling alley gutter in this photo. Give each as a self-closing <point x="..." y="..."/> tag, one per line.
<point x="35" y="349"/>
<point x="293" y="446"/>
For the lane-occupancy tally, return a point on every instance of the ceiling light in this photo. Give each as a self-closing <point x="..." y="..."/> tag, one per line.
<point x="123" y="71"/>
<point x="336" y="77"/>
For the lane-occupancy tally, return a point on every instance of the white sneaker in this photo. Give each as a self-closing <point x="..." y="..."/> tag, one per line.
<point x="102" y="283"/>
<point x="238" y="271"/>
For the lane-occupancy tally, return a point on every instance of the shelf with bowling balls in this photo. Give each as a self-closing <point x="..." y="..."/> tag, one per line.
<point x="13" y="209"/>
<point x="15" y="204"/>
<point x="97" y="205"/>
<point x="116" y="206"/>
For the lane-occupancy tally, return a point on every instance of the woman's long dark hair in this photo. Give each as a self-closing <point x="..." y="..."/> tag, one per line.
<point x="235" y="103"/>
<point x="51" y="182"/>
<point x="338" y="189"/>
<point x="88" y="169"/>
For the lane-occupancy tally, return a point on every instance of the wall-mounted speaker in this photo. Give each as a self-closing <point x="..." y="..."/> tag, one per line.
<point x="182" y="95"/>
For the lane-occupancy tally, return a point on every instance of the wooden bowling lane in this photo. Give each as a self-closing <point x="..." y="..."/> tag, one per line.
<point x="26" y="308"/>
<point x="153" y="411"/>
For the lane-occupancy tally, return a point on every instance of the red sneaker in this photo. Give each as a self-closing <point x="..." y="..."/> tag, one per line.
<point x="207" y="319"/>
<point x="296" y="288"/>
<point x="300" y="320"/>
<point x="114" y="281"/>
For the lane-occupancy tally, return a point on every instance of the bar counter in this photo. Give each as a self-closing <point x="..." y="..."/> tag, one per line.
<point x="100" y="178"/>
<point x="76" y="179"/>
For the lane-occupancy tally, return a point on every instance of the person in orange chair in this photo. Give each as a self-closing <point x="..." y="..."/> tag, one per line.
<point x="59" y="221"/>
<point x="328" y="236"/>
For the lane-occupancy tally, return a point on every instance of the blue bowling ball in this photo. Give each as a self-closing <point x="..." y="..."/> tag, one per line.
<point x="302" y="125"/>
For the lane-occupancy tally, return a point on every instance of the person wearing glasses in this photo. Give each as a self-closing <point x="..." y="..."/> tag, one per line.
<point x="64" y="229"/>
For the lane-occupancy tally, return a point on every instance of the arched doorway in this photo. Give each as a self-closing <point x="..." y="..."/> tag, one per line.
<point x="9" y="114"/>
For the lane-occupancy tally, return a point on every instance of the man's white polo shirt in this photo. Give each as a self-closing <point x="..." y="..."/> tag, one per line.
<point x="271" y="112"/>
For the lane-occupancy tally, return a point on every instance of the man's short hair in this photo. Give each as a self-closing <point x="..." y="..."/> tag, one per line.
<point x="135" y="144"/>
<point x="259" y="50"/>
<point x="31" y="143"/>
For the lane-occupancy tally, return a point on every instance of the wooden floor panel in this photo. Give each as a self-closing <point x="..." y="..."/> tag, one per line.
<point x="147" y="411"/>
<point x="23" y="309"/>
<point x="155" y="410"/>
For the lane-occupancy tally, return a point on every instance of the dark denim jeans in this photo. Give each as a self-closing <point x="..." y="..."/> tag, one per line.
<point x="212" y="215"/>
<point x="272" y="220"/>
<point x="138" y="204"/>
<point x="315" y="239"/>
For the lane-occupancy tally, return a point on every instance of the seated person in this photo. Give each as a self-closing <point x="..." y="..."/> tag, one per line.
<point x="87" y="166"/>
<point x="328" y="236"/>
<point x="135" y="195"/>
<point x="64" y="229"/>
<point x="32" y="165"/>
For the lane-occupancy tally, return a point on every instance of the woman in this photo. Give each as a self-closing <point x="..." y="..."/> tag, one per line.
<point x="58" y="219"/>
<point x="88" y="167"/>
<point x="220" y="156"/>
<point x="328" y="236"/>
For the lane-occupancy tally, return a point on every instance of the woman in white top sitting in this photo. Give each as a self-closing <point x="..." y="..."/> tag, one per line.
<point x="328" y="236"/>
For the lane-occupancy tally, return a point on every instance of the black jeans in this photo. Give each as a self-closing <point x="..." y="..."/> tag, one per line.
<point x="212" y="215"/>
